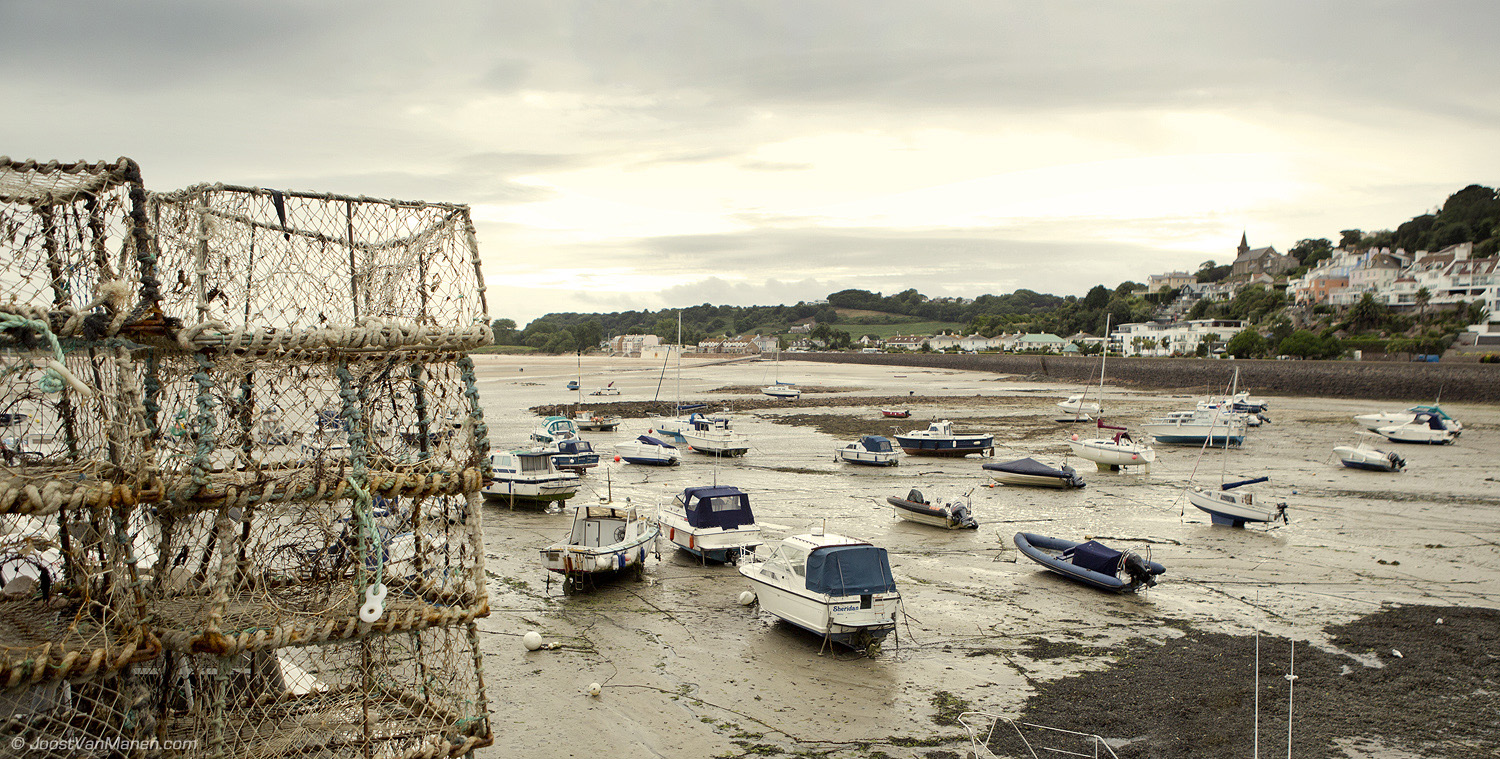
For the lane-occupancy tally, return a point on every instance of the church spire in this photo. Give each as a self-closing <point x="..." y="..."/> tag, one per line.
<point x="1244" y="244"/>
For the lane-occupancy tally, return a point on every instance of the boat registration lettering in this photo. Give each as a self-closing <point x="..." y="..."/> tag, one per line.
<point x="853" y="607"/>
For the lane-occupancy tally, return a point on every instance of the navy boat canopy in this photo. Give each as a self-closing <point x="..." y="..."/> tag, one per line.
<point x="574" y="446"/>
<point x="648" y="440"/>
<point x="875" y="443"/>
<point x="1026" y="466"/>
<point x="849" y="571"/>
<point x="1095" y="556"/>
<point x="724" y="507"/>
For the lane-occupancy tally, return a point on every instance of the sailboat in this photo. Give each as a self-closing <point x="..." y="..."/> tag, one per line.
<point x="673" y="429"/>
<point x="1111" y="453"/>
<point x="778" y="389"/>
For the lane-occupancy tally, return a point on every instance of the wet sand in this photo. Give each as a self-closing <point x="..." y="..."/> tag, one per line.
<point x="1369" y="561"/>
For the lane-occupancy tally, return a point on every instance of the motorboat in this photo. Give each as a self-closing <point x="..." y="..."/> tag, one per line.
<point x="895" y="413"/>
<point x="573" y="455"/>
<point x="1111" y="453"/>
<point x="595" y="421"/>
<point x="1196" y="427"/>
<point x="1229" y="506"/>
<point x="956" y="515"/>
<point x="835" y="586"/>
<point x="713" y="523"/>
<point x="871" y="450"/>
<point x="528" y="476"/>
<point x="609" y="389"/>
<point x="671" y="429"/>
<point x="1394" y="418"/>
<point x="574" y="384"/>
<point x="606" y="539"/>
<point x="1076" y="408"/>
<point x="1370" y="459"/>
<point x="1090" y="562"/>
<point x="939" y="439"/>
<point x="1425" y="428"/>
<point x="649" y="451"/>
<point x="554" y="428"/>
<point x="1033" y="473"/>
<point x="715" y="436"/>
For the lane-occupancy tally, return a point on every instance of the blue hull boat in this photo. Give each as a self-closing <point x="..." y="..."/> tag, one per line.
<point x="1090" y="563"/>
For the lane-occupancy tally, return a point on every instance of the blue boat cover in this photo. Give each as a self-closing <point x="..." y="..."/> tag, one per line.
<point x="1233" y="485"/>
<point x="648" y="440"/>
<point x="724" y="507"/>
<point x="1095" y="556"/>
<point x="574" y="446"/>
<point x="875" y="443"/>
<point x="1026" y="466"/>
<point x="849" y="571"/>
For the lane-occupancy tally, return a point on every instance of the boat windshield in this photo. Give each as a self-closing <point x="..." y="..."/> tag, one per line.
<point x="791" y="558"/>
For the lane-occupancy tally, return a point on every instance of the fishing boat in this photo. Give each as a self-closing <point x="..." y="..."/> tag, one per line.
<point x="649" y="451"/>
<point x="1229" y="506"/>
<point x="1111" y="453"/>
<point x="871" y="450"/>
<point x="1394" y="418"/>
<point x="1090" y="562"/>
<point x="1369" y="459"/>
<point x="916" y="508"/>
<point x="596" y="421"/>
<point x="1033" y="473"/>
<point x="835" y="586"/>
<point x="895" y="413"/>
<point x="528" y="476"/>
<point x="939" y="439"/>
<point x="609" y="389"/>
<point x="573" y="455"/>
<point x="713" y="523"/>
<point x="1425" y="428"/>
<point x="606" y="540"/>
<point x="1075" y="408"/>
<point x="554" y="428"/>
<point x="715" y="436"/>
<point x="1196" y="427"/>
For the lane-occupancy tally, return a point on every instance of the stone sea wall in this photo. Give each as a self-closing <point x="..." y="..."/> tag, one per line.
<point x="1414" y="382"/>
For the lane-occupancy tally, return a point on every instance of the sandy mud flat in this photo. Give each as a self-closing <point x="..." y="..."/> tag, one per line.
<point x="1385" y="587"/>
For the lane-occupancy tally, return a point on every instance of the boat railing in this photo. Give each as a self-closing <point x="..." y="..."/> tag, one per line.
<point x="989" y="732"/>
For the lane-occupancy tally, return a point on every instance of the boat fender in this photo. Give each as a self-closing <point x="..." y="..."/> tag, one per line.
<point x="1074" y="438"/>
<point x="595" y="689"/>
<point x="746" y="598"/>
<point x="532" y="640"/>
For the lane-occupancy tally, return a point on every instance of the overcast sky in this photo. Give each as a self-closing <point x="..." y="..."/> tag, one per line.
<point x="649" y="155"/>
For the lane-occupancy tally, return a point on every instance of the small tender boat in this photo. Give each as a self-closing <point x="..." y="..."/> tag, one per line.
<point x="605" y="540"/>
<point x="713" y="523"/>
<point x="1371" y="459"/>
<point x="915" y="508"/>
<point x="1394" y="418"/>
<point x="1426" y="428"/>
<point x="895" y="413"/>
<point x="1091" y="562"/>
<point x="715" y="437"/>
<point x="573" y="455"/>
<point x="554" y="428"/>
<point x="1227" y="507"/>
<point x="573" y="384"/>
<point x="650" y="451"/>
<point x="1195" y="427"/>
<point x="1033" y="473"/>
<point x="835" y="586"/>
<point x="528" y="476"/>
<point x="939" y="439"/>
<point x="1113" y="452"/>
<point x="1076" y="408"/>
<point x="593" y="420"/>
<point x="872" y="450"/>
<point x="609" y="389"/>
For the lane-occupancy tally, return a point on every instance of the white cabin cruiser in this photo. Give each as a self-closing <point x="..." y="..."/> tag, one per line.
<point x="529" y="476"/>
<point x="606" y="539"/>
<point x="1426" y="428"/>
<point x="649" y="451"/>
<point x="1395" y="418"/>
<point x="871" y="450"/>
<point x="1196" y="427"/>
<point x="1369" y="459"/>
<point x="1076" y="408"/>
<point x="715" y="437"/>
<point x="713" y="523"/>
<point x="838" y="587"/>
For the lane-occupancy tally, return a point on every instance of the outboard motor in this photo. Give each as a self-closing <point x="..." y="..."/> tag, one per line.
<point x="1136" y="568"/>
<point x="1397" y="462"/>
<point x="1075" y="480"/>
<point x="959" y="513"/>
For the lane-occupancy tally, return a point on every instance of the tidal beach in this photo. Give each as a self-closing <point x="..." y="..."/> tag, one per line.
<point x="686" y="671"/>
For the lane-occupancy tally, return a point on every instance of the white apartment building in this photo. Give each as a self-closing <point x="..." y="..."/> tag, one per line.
<point x="632" y="345"/>
<point x="1167" y="338"/>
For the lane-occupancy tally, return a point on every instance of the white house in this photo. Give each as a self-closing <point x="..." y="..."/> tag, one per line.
<point x="632" y="345"/>
<point x="977" y="342"/>
<point x="1167" y="338"/>
<point x="943" y="342"/>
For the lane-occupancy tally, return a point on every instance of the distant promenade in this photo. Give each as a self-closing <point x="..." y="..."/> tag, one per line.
<point x="1376" y="380"/>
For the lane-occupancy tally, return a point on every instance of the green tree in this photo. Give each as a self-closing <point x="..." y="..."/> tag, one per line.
<point x="1307" y="344"/>
<point x="1422" y="297"/>
<point x="1367" y="313"/>
<point x="1247" y="344"/>
<point x="1309" y="252"/>
<point x="1350" y="238"/>
<point x="505" y="331"/>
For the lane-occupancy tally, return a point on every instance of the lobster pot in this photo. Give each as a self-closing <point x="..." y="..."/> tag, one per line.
<point x="255" y="431"/>
<point x="417" y="694"/>
<point x="73" y="243"/>
<point x="279" y="263"/>
<point x="255" y="578"/>
<point x="104" y="715"/>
